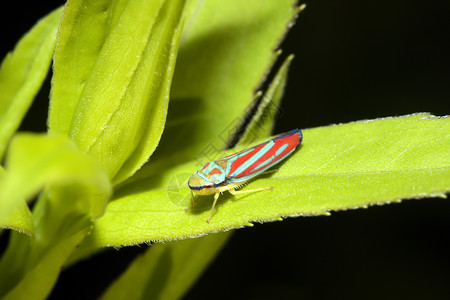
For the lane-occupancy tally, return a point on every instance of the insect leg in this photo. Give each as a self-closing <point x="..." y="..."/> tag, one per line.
<point x="192" y="202"/>
<point x="234" y="192"/>
<point x="216" y="196"/>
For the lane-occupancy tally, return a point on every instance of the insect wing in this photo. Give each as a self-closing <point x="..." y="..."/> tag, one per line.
<point x="248" y="163"/>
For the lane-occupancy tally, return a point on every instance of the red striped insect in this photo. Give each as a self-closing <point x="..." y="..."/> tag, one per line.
<point x="233" y="171"/>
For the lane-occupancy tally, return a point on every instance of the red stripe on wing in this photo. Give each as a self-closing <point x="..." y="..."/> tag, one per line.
<point x="292" y="139"/>
<point x="238" y="162"/>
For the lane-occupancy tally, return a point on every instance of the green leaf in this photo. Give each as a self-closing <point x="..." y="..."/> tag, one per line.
<point x="76" y="191"/>
<point x="20" y="217"/>
<point x="36" y="160"/>
<point x="166" y="271"/>
<point x="111" y="95"/>
<point x="22" y="73"/>
<point x="337" y="167"/>
<point x="29" y="270"/>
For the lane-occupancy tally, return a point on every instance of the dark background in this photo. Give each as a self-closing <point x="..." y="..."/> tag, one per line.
<point x="354" y="60"/>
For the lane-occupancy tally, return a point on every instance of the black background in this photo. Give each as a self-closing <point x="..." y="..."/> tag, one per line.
<point x="354" y="60"/>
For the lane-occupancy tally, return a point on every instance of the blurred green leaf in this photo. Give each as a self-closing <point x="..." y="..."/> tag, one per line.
<point x="20" y="217"/>
<point x="30" y="269"/>
<point x="113" y="69"/>
<point x="36" y="160"/>
<point x="167" y="270"/>
<point x="337" y="167"/>
<point x="22" y="73"/>
<point x="76" y="191"/>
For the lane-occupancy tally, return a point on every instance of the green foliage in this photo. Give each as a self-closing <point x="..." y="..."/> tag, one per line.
<point x="113" y="70"/>
<point x="35" y="161"/>
<point x="337" y="167"/>
<point x="76" y="191"/>
<point x="119" y="124"/>
<point x="22" y="73"/>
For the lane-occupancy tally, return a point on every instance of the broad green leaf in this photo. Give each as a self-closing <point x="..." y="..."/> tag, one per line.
<point x="337" y="167"/>
<point x="22" y="73"/>
<point x="113" y="101"/>
<point x="36" y="160"/>
<point x="226" y="51"/>
<point x="166" y="271"/>
<point x="262" y="122"/>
